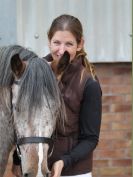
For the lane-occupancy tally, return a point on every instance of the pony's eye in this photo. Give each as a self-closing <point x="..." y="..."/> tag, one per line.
<point x="15" y="108"/>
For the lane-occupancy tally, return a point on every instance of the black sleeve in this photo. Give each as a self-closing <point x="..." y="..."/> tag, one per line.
<point x="90" y="121"/>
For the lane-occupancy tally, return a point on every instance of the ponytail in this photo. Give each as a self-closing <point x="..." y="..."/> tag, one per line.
<point x="90" y="67"/>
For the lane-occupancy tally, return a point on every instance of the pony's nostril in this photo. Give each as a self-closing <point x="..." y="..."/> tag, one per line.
<point x="48" y="174"/>
<point x="26" y="175"/>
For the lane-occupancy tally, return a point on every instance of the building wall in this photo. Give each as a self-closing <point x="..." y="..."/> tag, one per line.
<point x="112" y="158"/>
<point x="8" y="22"/>
<point x="106" y="23"/>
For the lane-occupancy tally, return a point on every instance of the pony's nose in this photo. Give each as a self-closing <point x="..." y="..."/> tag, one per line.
<point x="47" y="174"/>
<point x="27" y="174"/>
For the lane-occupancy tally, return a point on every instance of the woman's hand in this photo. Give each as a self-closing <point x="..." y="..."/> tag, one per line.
<point x="57" y="168"/>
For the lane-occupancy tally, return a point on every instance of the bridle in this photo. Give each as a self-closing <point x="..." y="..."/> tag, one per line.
<point x="32" y="139"/>
<point x="36" y="140"/>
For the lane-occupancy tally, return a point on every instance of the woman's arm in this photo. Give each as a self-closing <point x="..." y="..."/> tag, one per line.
<point x="90" y="121"/>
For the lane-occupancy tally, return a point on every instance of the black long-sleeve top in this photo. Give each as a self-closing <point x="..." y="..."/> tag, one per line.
<point x="90" y="121"/>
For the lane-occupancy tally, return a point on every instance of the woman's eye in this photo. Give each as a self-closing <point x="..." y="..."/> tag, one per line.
<point x="69" y="44"/>
<point x="56" y="42"/>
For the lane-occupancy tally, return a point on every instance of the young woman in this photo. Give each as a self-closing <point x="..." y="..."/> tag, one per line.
<point x="73" y="148"/>
<point x="73" y="152"/>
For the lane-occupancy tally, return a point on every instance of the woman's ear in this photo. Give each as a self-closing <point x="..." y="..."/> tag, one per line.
<point x="17" y="65"/>
<point x="80" y="45"/>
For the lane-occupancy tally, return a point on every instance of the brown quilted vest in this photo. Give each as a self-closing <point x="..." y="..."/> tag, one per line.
<point x="72" y="87"/>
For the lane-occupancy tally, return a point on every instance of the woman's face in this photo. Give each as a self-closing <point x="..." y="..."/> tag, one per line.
<point x="64" y="41"/>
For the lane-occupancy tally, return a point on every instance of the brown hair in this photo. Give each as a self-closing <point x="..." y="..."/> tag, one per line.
<point x="70" y="23"/>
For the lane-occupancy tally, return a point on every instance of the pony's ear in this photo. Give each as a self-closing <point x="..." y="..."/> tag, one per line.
<point x="63" y="63"/>
<point x="17" y="65"/>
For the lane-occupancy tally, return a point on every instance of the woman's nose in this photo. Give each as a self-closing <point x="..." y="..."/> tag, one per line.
<point x="62" y="49"/>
